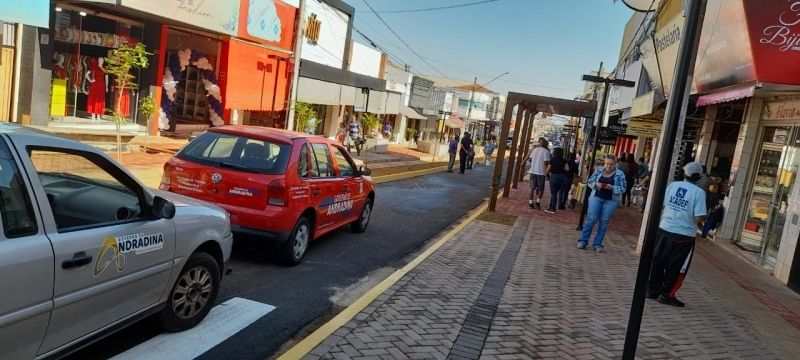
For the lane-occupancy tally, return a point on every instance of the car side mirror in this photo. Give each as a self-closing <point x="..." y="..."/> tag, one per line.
<point x="163" y="208"/>
<point x="364" y="171"/>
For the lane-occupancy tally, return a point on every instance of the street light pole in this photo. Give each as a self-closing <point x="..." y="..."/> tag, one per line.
<point x="598" y="121"/>
<point x="678" y="99"/>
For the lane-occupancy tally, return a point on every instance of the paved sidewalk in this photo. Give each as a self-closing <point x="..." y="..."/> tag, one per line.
<point x="496" y="291"/>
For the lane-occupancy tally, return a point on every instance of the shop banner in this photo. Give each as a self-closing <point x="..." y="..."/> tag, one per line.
<point x="724" y="58"/>
<point x="660" y="53"/>
<point x="643" y="129"/>
<point x="220" y="15"/>
<point x="775" y="39"/>
<point x="643" y="105"/>
<point x="782" y="110"/>
<point x="28" y="12"/>
<point x="268" y="22"/>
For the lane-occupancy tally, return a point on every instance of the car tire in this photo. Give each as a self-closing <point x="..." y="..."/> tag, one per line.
<point x="360" y="225"/>
<point x="294" y="249"/>
<point x="192" y="295"/>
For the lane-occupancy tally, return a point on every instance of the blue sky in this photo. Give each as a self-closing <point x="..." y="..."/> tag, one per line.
<point x="546" y="45"/>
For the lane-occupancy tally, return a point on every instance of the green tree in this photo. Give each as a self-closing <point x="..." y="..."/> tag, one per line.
<point x="120" y="63"/>
<point x="147" y="107"/>
<point x="370" y="122"/>
<point x="305" y="117"/>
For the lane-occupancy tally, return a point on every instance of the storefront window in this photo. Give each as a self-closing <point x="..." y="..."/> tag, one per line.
<point x="776" y="170"/>
<point x="80" y="86"/>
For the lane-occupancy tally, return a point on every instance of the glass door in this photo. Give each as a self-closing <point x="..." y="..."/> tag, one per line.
<point x="790" y="161"/>
<point x="759" y="211"/>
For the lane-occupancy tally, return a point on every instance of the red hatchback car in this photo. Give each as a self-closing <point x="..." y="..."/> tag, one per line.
<point x="284" y="187"/>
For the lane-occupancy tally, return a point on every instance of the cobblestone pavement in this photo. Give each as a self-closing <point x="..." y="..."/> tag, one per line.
<point x="563" y="303"/>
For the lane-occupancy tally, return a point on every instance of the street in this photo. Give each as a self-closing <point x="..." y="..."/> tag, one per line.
<point x="407" y="214"/>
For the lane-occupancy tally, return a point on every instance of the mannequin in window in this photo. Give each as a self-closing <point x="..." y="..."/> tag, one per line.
<point x="96" y="102"/>
<point x="59" y="71"/>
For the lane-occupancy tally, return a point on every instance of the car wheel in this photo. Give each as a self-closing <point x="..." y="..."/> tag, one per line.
<point x="193" y="294"/>
<point x="360" y="225"/>
<point x="295" y="247"/>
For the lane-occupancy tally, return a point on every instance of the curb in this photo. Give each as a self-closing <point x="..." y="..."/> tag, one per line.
<point x="407" y="175"/>
<point x="311" y="341"/>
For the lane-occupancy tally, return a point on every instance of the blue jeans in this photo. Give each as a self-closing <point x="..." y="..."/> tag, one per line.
<point x="558" y="190"/>
<point x="599" y="209"/>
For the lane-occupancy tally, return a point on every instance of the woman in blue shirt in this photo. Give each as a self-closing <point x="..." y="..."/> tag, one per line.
<point x="607" y="184"/>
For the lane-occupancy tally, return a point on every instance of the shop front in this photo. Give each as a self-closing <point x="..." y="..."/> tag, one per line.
<point x="81" y="89"/>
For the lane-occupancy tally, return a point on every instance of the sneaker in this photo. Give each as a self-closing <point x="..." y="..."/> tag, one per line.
<point x="532" y="206"/>
<point x="562" y="208"/>
<point x="449" y="171"/>
<point x="537" y="205"/>
<point x="670" y="301"/>
<point x="652" y="295"/>
<point x="598" y="250"/>
<point x="581" y="246"/>
<point x="550" y="211"/>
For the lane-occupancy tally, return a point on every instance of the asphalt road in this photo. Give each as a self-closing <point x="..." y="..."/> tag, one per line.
<point x="406" y="215"/>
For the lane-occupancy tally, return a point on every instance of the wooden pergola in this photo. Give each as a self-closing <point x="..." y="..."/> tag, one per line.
<point x="527" y="107"/>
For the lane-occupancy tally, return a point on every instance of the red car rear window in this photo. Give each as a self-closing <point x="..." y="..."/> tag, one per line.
<point x="238" y="153"/>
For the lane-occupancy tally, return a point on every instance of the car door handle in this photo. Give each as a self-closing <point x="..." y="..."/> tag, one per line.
<point x="346" y="189"/>
<point x="316" y="191"/>
<point x="78" y="259"/>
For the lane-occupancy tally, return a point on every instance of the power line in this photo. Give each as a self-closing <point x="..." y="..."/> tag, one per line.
<point x="435" y="8"/>
<point x="403" y="41"/>
<point x="634" y="37"/>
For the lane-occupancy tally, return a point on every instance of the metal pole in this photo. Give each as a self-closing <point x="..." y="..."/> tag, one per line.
<point x="298" y="47"/>
<point x="501" y="152"/>
<point x="678" y="99"/>
<point x="469" y="106"/>
<point x="598" y="119"/>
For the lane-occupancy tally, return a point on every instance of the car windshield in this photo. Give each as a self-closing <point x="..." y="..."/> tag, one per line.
<point x="237" y="152"/>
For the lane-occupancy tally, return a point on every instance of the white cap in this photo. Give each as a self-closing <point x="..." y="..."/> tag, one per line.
<point x="693" y="168"/>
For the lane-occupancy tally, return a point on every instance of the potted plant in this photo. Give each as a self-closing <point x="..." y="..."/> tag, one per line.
<point x="147" y="107"/>
<point x="371" y="124"/>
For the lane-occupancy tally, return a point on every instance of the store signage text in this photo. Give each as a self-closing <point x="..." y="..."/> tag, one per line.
<point x="671" y="37"/>
<point x="789" y="110"/>
<point x="781" y="35"/>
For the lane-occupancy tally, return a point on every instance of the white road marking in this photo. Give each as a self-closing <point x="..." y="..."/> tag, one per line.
<point x="222" y="322"/>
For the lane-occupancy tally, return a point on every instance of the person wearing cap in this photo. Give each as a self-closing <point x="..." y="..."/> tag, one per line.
<point x="684" y="208"/>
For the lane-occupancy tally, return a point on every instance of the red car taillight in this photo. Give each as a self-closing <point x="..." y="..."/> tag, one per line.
<point x="277" y="193"/>
<point x="166" y="181"/>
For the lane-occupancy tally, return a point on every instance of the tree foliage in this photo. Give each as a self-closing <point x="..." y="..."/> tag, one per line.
<point x="305" y="116"/>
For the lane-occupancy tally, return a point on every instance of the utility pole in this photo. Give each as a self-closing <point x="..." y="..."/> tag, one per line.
<point x="597" y="121"/>
<point x="676" y="107"/>
<point x="469" y="107"/>
<point x="298" y="47"/>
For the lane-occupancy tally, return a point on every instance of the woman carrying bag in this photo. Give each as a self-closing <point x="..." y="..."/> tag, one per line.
<point x="607" y="184"/>
<point x="559" y="171"/>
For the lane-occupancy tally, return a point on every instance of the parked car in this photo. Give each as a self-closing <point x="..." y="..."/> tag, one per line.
<point x="86" y="249"/>
<point x="282" y="187"/>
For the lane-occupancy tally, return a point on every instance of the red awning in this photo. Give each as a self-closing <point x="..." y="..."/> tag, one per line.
<point x="454" y="122"/>
<point x="726" y="95"/>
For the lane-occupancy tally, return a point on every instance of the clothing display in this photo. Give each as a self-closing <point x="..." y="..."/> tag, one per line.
<point x="96" y="103"/>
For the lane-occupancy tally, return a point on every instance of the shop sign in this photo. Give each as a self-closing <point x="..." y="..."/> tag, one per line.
<point x="28" y="12"/>
<point x="660" y="54"/>
<point x="643" y="129"/>
<point x="782" y="110"/>
<point x="312" y="29"/>
<point x="775" y="39"/>
<point x="724" y="57"/>
<point x="219" y="16"/>
<point x="643" y="105"/>
<point x="268" y="22"/>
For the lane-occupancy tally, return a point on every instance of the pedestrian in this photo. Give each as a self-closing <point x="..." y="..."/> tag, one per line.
<point x="452" y="149"/>
<point x="416" y="136"/>
<point x="539" y="159"/>
<point x="630" y="176"/>
<point x="608" y="185"/>
<point x="684" y="208"/>
<point x="463" y="154"/>
<point x="704" y="183"/>
<point x="470" y="154"/>
<point x="558" y="169"/>
<point x="341" y="133"/>
<point x="622" y="165"/>
<point x="488" y="150"/>
<point x="354" y="132"/>
<point x="644" y="185"/>
<point x="387" y="130"/>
